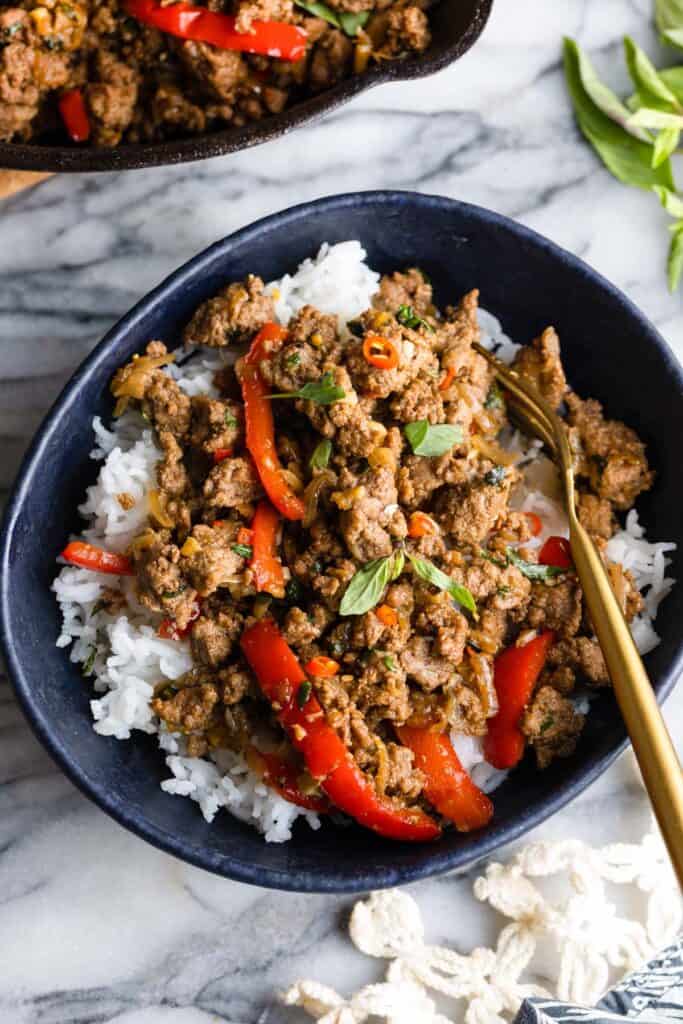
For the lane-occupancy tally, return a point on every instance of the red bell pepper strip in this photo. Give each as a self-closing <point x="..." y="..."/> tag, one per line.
<point x="447" y="785"/>
<point x="283" y="777"/>
<point x="280" y="677"/>
<point x="515" y="673"/>
<point x="556" y="551"/>
<point x="271" y="38"/>
<point x="266" y="567"/>
<point x="260" y="426"/>
<point x="87" y="556"/>
<point x="74" y="115"/>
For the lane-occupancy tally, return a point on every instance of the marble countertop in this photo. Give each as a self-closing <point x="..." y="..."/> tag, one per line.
<point x="96" y="926"/>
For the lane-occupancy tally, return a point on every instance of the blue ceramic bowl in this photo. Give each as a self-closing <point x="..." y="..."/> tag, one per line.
<point x="610" y="351"/>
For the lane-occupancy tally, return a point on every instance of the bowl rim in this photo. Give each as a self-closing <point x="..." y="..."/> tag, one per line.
<point x="130" y="156"/>
<point x="279" y="878"/>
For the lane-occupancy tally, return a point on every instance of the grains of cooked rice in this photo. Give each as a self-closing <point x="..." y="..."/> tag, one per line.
<point x="116" y="643"/>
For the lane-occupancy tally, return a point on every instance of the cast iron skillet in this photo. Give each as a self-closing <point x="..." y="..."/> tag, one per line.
<point x="456" y="25"/>
<point x="611" y="352"/>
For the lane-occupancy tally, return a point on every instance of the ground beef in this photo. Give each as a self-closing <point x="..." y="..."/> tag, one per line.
<point x="330" y="60"/>
<point x="540" y="363"/>
<point x="166" y="404"/>
<point x="596" y="515"/>
<point x="421" y="401"/>
<point x="407" y="30"/>
<point x="213" y="561"/>
<point x="470" y="512"/>
<point x="583" y="657"/>
<point x="218" y="72"/>
<point x="405" y="288"/>
<point x="188" y="710"/>
<point x="614" y="460"/>
<point x="372" y="524"/>
<point x="111" y="98"/>
<point x="231" y="317"/>
<point x="551" y="726"/>
<point x="556" y="606"/>
<point x="421" y="664"/>
<point x="216" y="424"/>
<point x="214" y="636"/>
<point x="233" y="482"/>
<point x="161" y="585"/>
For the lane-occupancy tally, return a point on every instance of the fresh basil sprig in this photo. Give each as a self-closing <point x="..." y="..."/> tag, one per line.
<point x="669" y="18"/>
<point x="321" y="455"/>
<point x="622" y="134"/>
<point x="368" y="584"/>
<point x="428" y="571"/>
<point x="244" y="550"/>
<point x="629" y="158"/>
<point x="534" y="570"/>
<point x="409" y="318"/>
<point x="426" y="439"/>
<point x="345" y="20"/>
<point x="323" y="391"/>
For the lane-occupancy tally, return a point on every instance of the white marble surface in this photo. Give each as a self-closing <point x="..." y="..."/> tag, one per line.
<point x="95" y="925"/>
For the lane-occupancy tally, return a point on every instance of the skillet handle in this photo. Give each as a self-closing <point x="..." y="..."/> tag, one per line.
<point x="12" y="182"/>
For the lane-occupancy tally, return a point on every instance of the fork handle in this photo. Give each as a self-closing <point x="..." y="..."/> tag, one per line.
<point x="657" y="758"/>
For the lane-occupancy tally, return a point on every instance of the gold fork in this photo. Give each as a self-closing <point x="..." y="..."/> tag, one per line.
<point x="659" y="764"/>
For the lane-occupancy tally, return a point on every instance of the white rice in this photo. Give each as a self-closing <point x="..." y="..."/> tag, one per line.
<point x="122" y="651"/>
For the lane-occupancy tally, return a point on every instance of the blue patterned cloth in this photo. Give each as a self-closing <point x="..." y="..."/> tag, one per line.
<point x="654" y="993"/>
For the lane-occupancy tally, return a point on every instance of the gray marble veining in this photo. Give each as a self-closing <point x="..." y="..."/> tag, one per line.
<point x="95" y="926"/>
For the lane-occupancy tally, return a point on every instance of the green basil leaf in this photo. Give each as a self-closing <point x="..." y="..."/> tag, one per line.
<point x="674" y="264"/>
<point x="629" y="159"/>
<point x="429" y="572"/>
<point x="644" y="75"/>
<point x="389" y="663"/>
<point x="367" y="586"/>
<point x="495" y="476"/>
<point x="323" y="391"/>
<point x="666" y="144"/>
<point x="674" y="79"/>
<point x="320" y="10"/>
<point x="534" y="570"/>
<point x="650" y="117"/>
<point x="230" y="420"/>
<point x="669" y="19"/>
<point x="350" y="23"/>
<point x="671" y="202"/>
<point x="245" y="550"/>
<point x="321" y="455"/>
<point x="596" y="91"/>
<point x="426" y="439"/>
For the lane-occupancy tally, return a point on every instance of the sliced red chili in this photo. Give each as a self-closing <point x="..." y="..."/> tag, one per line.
<point x="380" y="352"/>
<point x="221" y="454"/>
<point x="535" y="524"/>
<point x="447" y="379"/>
<point x="387" y="615"/>
<point x="421" y="525"/>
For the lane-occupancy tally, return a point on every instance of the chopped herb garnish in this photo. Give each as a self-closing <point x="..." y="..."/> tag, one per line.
<point x="426" y="439"/>
<point x="503" y="590"/>
<point x="11" y="30"/>
<point x="89" y="662"/>
<point x="293" y="359"/>
<point x="534" y="570"/>
<point x="494" y="399"/>
<point x="428" y="571"/>
<point x="409" y="318"/>
<point x="230" y="420"/>
<point x="168" y="595"/>
<point x="98" y="607"/>
<point x="337" y="648"/>
<point x="293" y="591"/>
<point x="389" y="662"/>
<point x="495" y="476"/>
<point x="502" y="563"/>
<point x="303" y="693"/>
<point x="317" y="568"/>
<point x="245" y="550"/>
<point x="323" y="391"/>
<point x="321" y="455"/>
<point x="546" y="724"/>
